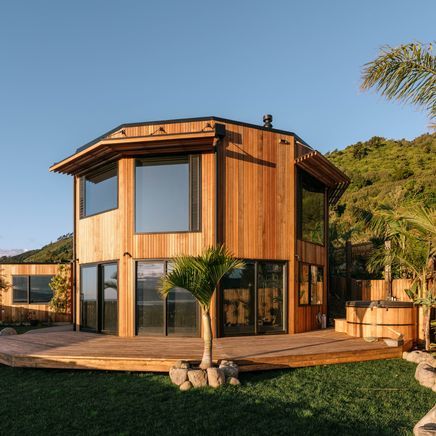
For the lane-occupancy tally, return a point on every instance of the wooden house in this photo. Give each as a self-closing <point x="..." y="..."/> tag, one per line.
<point x="146" y="192"/>
<point x="26" y="293"/>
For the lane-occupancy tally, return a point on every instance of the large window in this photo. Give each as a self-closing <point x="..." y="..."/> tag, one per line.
<point x="311" y="284"/>
<point x="32" y="289"/>
<point x="176" y="315"/>
<point x="167" y="194"/>
<point x="252" y="299"/>
<point x="311" y="209"/>
<point x="99" y="191"/>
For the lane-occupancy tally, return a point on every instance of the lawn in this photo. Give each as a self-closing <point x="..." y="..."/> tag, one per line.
<point x="379" y="398"/>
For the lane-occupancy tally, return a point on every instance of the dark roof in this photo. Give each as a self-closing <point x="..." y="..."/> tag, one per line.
<point x="187" y="120"/>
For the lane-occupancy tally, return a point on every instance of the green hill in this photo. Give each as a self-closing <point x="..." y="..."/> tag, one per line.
<point x="383" y="171"/>
<point x="58" y="251"/>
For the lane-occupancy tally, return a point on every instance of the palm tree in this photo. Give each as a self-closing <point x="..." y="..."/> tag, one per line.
<point x="412" y="233"/>
<point x="200" y="275"/>
<point x="406" y="73"/>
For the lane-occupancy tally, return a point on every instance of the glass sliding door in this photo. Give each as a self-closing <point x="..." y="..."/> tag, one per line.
<point x="238" y="301"/>
<point x="270" y="297"/>
<point x="89" y="297"/>
<point x="109" y="300"/>
<point x="252" y="299"/>
<point x="176" y="315"/>
<point x="99" y="297"/>
<point x="149" y="303"/>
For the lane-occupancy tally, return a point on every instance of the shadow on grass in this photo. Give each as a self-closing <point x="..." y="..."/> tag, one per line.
<point x="304" y="401"/>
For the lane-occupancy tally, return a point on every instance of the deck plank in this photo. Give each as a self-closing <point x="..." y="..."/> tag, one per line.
<point x="80" y="350"/>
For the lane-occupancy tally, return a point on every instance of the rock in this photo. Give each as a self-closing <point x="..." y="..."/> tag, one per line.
<point x="230" y="369"/>
<point x="233" y="381"/>
<point x="215" y="377"/>
<point x="197" y="377"/>
<point x="425" y="374"/>
<point x="418" y="356"/>
<point x="178" y="375"/>
<point x="8" y="331"/>
<point x="427" y="425"/>
<point x="185" y="386"/>
<point x="181" y="364"/>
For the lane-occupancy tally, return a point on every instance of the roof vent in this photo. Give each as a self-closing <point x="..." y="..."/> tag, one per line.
<point x="267" y="121"/>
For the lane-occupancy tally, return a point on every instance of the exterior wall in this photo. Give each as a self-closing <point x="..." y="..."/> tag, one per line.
<point x="256" y="217"/>
<point x="20" y="312"/>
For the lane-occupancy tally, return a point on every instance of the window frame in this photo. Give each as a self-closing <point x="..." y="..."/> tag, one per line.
<point x="165" y="334"/>
<point x="300" y="174"/>
<point x="256" y="331"/>
<point x="309" y="265"/>
<point x="28" y="289"/>
<point x="99" y="296"/>
<point x="82" y="190"/>
<point x="192" y="159"/>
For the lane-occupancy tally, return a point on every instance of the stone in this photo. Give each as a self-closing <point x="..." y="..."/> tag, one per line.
<point x="427" y="425"/>
<point x="185" y="386"/>
<point x="181" y="364"/>
<point x="178" y="375"/>
<point x="418" y="356"/>
<point x="197" y="377"/>
<point x="233" y="381"/>
<point x="425" y="374"/>
<point x="215" y="377"/>
<point x="8" y="331"/>
<point x="230" y="368"/>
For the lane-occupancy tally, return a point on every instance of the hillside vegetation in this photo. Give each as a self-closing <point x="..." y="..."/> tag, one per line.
<point x="58" y="251"/>
<point x="386" y="171"/>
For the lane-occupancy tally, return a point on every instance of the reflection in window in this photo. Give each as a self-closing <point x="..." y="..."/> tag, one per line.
<point x="99" y="191"/>
<point x="303" y="292"/>
<point x="20" y="288"/>
<point x="40" y="291"/>
<point x="270" y="296"/>
<point x="110" y="298"/>
<point x="311" y="209"/>
<point x="176" y="315"/>
<point x="32" y="289"/>
<point x="311" y="284"/>
<point x="167" y="194"/>
<point x="238" y="300"/>
<point x="88" y="294"/>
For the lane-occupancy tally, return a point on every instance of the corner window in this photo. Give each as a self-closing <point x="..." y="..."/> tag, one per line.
<point x="311" y="209"/>
<point x="31" y="289"/>
<point x="99" y="191"/>
<point x="167" y="197"/>
<point x="311" y="284"/>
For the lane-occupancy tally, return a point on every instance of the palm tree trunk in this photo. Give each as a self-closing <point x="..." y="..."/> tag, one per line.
<point x="426" y="313"/>
<point x="206" y="361"/>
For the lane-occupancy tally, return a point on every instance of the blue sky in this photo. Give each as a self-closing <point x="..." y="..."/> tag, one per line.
<point x="72" y="70"/>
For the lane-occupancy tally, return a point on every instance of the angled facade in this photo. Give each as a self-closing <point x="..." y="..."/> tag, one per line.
<point x="146" y="192"/>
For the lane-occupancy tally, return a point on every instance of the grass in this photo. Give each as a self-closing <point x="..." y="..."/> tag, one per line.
<point x="378" y="398"/>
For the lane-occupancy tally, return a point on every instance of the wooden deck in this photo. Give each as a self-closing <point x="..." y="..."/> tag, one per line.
<point x="54" y="348"/>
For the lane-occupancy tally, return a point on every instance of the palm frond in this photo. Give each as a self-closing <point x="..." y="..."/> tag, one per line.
<point x="406" y="73"/>
<point x="201" y="274"/>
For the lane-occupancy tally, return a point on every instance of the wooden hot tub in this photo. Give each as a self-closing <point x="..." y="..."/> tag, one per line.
<point x="382" y="319"/>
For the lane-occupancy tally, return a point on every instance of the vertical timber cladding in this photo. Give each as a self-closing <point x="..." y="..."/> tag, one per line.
<point x="19" y="312"/>
<point x="111" y="235"/>
<point x="259" y="199"/>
